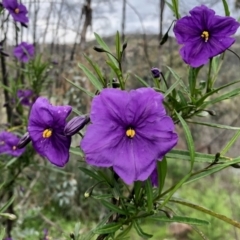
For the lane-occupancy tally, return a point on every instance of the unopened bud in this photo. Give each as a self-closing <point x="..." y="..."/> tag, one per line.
<point x="98" y="49"/>
<point x="124" y="46"/>
<point x="75" y="125"/>
<point x="156" y="72"/>
<point x="24" y="140"/>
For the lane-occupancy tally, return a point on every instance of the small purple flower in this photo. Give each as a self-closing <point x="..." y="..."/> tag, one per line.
<point x="46" y="130"/>
<point x="24" y="51"/>
<point x="204" y="35"/>
<point x="156" y="72"/>
<point x="8" y="144"/>
<point x="25" y="96"/>
<point x="130" y="131"/>
<point x="17" y="10"/>
<point x="75" y="125"/>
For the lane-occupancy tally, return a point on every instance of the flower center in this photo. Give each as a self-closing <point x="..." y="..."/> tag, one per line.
<point x="47" y="133"/>
<point x="14" y="148"/>
<point x="17" y="10"/>
<point x="205" y="35"/>
<point x="130" y="132"/>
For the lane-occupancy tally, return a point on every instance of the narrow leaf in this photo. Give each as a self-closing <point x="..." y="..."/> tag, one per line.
<point x="108" y="228"/>
<point x="142" y="81"/>
<point x="230" y="143"/>
<point x="113" y="207"/>
<point x="91" y="174"/>
<point x="123" y="233"/>
<point x="91" y="77"/>
<point x="162" y="172"/>
<point x="149" y="194"/>
<point x="81" y="88"/>
<point x="208" y="211"/>
<point x="226" y="9"/>
<point x="6" y="205"/>
<point x="189" y="139"/>
<point x="187" y="220"/>
<point x="215" y="125"/>
<point x="140" y="232"/>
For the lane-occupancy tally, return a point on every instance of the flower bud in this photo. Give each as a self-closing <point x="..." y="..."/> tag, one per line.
<point x="24" y="140"/>
<point x="8" y="216"/>
<point x="156" y="72"/>
<point x="75" y="125"/>
<point x="98" y="49"/>
<point x="124" y="46"/>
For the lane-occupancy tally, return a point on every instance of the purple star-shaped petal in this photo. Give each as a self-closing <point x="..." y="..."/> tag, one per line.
<point x="17" y="10"/>
<point x="130" y="131"/>
<point x="204" y="35"/>
<point x="46" y="130"/>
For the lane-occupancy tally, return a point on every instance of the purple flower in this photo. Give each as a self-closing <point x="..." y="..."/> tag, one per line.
<point x="204" y="35"/>
<point x="24" y="51"/>
<point x="24" y="96"/>
<point x="17" y="10"/>
<point x="46" y="130"/>
<point x="8" y="144"/>
<point x="130" y="131"/>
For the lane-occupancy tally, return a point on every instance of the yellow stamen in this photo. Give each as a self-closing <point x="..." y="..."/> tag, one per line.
<point x="47" y="133"/>
<point x="14" y="148"/>
<point x="205" y="35"/>
<point x="130" y="133"/>
<point x="17" y="10"/>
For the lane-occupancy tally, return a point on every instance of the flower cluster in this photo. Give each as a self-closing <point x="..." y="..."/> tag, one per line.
<point x="129" y="131"/>
<point x="204" y="35"/>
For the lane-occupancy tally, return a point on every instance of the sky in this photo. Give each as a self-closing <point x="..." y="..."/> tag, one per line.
<point x="107" y="15"/>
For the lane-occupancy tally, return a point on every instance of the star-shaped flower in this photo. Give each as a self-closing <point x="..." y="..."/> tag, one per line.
<point x="204" y="35"/>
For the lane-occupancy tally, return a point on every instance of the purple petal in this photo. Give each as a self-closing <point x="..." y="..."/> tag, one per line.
<point x="99" y="148"/>
<point x="57" y="150"/>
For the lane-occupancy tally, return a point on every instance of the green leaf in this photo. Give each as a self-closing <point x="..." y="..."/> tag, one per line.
<point x="81" y="88"/>
<point x="2" y="233"/>
<point x="140" y="232"/>
<point x="189" y="139"/>
<point x="199" y="157"/>
<point x="225" y="96"/>
<point x="96" y="68"/>
<point x="118" y="46"/>
<point x="162" y="172"/>
<point x="226" y="9"/>
<point x="90" y="234"/>
<point x="175" y="8"/>
<point x="91" y="77"/>
<point x="91" y="174"/>
<point x="142" y="81"/>
<point x="187" y="220"/>
<point x="201" y="100"/>
<point x="172" y="88"/>
<point x="105" y="46"/>
<point x="230" y="143"/>
<point x="101" y="196"/>
<point x="113" y="207"/>
<point x="149" y="194"/>
<point x="215" y="125"/>
<point x="207" y="211"/>
<point x="108" y="228"/>
<point x="213" y="169"/>
<point x="6" y="205"/>
<point x="77" y="230"/>
<point x="115" y="69"/>
<point x="137" y="190"/>
<point x="123" y="233"/>
<point x="77" y="151"/>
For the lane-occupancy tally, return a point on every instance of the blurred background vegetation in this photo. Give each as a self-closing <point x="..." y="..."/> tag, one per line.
<point x="52" y="199"/>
